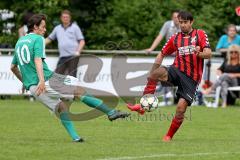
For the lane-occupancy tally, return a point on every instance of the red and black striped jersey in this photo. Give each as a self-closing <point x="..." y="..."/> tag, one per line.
<point x="184" y="46"/>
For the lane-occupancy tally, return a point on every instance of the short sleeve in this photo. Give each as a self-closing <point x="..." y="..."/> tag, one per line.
<point x="220" y="43"/>
<point x="169" y="46"/>
<point x="222" y="67"/>
<point x="53" y="35"/>
<point x="238" y="39"/>
<point x="39" y="48"/>
<point x="164" y="29"/>
<point x="203" y="39"/>
<point x="78" y="33"/>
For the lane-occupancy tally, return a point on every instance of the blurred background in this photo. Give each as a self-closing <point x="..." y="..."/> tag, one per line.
<point x="117" y="20"/>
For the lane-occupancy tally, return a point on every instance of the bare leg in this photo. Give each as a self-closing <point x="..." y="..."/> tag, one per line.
<point x="157" y="74"/>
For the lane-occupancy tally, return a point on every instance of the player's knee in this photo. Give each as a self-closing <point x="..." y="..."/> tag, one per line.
<point x="79" y="92"/>
<point x="62" y="107"/>
<point x="153" y="76"/>
<point x="159" y="74"/>
<point x="180" y="111"/>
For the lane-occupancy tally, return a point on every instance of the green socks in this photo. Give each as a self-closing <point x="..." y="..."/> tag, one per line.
<point x="97" y="104"/>
<point x="67" y="123"/>
<point x="91" y="102"/>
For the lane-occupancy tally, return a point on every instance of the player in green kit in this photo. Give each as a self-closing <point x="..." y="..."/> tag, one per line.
<point x="46" y="86"/>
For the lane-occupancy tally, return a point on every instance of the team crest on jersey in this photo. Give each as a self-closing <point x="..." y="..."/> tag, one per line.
<point x="193" y="40"/>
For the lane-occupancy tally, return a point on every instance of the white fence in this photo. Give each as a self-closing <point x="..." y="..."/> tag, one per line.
<point x="116" y="75"/>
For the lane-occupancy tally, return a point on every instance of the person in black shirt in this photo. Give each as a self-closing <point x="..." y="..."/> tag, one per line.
<point x="228" y="74"/>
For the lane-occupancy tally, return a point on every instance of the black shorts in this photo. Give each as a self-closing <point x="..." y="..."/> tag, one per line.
<point x="67" y="65"/>
<point x="186" y="86"/>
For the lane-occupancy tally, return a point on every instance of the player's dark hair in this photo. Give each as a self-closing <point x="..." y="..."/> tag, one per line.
<point x="35" y="20"/>
<point x="185" y="15"/>
<point x="27" y="15"/>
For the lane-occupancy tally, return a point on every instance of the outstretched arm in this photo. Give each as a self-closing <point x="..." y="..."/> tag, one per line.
<point x="159" y="58"/>
<point x="47" y="41"/>
<point x="155" y="43"/>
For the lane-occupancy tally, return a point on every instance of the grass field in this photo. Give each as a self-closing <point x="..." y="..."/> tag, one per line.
<point x="30" y="132"/>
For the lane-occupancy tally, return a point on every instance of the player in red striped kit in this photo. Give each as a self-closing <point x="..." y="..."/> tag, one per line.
<point x="191" y="47"/>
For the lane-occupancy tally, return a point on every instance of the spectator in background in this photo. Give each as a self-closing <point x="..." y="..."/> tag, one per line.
<point x="22" y="31"/>
<point x="70" y="44"/>
<point x="228" y="76"/>
<point x="169" y="28"/>
<point x="228" y="39"/>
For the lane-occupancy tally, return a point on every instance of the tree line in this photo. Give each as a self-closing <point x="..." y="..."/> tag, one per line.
<point x="137" y="21"/>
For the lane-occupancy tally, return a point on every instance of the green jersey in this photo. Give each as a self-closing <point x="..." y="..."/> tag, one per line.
<point x="27" y="48"/>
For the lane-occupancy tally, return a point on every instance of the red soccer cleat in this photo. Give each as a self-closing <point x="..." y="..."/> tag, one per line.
<point x="137" y="108"/>
<point x="166" y="139"/>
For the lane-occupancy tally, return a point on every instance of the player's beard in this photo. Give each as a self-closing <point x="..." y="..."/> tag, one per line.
<point x="185" y="33"/>
<point x="184" y="30"/>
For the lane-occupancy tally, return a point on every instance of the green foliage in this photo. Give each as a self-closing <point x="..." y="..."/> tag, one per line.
<point x="136" y="20"/>
<point x="140" y="21"/>
<point x="7" y="40"/>
<point x="51" y="8"/>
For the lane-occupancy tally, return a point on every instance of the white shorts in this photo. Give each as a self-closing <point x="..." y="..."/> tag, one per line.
<point x="58" y="87"/>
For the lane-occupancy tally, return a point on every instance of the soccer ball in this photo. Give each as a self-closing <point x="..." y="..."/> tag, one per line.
<point x="149" y="102"/>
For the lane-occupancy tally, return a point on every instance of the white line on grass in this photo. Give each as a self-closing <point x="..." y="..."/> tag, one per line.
<point x="168" y="155"/>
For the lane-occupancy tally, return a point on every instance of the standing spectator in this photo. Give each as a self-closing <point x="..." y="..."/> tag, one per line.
<point x="70" y="44"/>
<point x="228" y="76"/>
<point x="228" y="39"/>
<point x="169" y="28"/>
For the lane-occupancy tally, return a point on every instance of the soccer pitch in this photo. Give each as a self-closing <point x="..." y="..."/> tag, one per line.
<point x="30" y="132"/>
